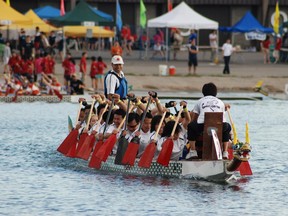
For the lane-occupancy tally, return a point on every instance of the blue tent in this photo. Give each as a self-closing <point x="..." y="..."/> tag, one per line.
<point x="47" y="12"/>
<point x="102" y="14"/>
<point x="248" y="23"/>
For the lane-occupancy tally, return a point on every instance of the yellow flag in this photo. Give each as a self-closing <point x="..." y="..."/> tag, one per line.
<point x="276" y="18"/>
<point x="247" y="138"/>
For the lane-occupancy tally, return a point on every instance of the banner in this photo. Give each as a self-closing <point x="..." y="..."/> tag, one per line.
<point x="276" y="18"/>
<point x="142" y="14"/>
<point x="62" y="8"/>
<point x="255" y="36"/>
<point x="118" y="16"/>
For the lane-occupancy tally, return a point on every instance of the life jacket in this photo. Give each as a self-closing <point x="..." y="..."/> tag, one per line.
<point x="122" y="89"/>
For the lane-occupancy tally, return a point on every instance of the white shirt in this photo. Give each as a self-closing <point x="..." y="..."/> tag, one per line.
<point x="112" y="82"/>
<point x="208" y="104"/>
<point x="213" y="40"/>
<point x="227" y="49"/>
<point x="178" y="146"/>
<point x="144" y="141"/>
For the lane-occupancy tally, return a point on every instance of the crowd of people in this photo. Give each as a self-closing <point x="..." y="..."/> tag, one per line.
<point x="188" y="124"/>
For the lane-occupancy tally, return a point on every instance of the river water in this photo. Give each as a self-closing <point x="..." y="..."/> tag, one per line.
<point x="37" y="180"/>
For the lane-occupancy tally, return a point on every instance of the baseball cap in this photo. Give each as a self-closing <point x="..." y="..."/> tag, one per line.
<point x="117" y="59"/>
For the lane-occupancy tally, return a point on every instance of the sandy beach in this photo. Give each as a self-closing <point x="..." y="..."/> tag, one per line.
<point x="143" y="72"/>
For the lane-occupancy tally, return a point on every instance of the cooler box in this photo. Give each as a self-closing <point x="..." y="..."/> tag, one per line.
<point x="163" y="70"/>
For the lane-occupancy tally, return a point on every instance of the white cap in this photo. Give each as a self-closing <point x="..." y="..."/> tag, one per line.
<point x="117" y="59"/>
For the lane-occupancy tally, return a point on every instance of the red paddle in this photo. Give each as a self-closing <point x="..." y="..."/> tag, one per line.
<point x="108" y="145"/>
<point x="84" y="135"/>
<point x="71" y="138"/>
<point x="85" y="150"/>
<point x="133" y="146"/>
<point x="95" y="160"/>
<point x="149" y="152"/>
<point x="167" y="146"/>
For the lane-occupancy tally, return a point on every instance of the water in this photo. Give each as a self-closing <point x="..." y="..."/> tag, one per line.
<point x="37" y="180"/>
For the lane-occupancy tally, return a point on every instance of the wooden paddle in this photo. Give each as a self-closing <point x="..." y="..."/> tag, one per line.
<point x="95" y="161"/>
<point x="122" y="141"/>
<point x="71" y="138"/>
<point x="167" y="146"/>
<point x="149" y="152"/>
<point x="244" y="167"/>
<point x="132" y="149"/>
<point x="84" y="135"/>
<point x="86" y="149"/>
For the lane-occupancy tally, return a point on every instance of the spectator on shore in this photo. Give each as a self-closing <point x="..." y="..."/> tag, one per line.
<point x="227" y="51"/>
<point x="101" y="66"/>
<point x="193" y="50"/>
<point x="83" y="66"/>
<point x="66" y="64"/>
<point x="213" y="45"/>
<point x="93" y="72"/>
<point x="278" y="45"/>
<point x="265" y="46"/>
<point x="6" y="56"/>
<point x="76" y="86"/>
<point x="37" y="39"/>
<point x="28" y="48"/>
<point x="116" y="49"/>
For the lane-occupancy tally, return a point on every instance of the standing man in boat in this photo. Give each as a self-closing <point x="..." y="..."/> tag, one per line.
<point x="115" y="81"/>
<point x="208" y="103"/>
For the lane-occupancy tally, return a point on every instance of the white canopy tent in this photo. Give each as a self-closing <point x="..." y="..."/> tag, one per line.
<point x="182" y="16"/>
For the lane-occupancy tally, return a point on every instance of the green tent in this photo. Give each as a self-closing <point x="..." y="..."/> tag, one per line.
<point x="81" y="13"/>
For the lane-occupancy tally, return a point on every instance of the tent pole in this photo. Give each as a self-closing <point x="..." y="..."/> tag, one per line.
<point x="140" y="50"/>
<point x="166" y="45"/>
<point x="147" y="43"/>
<point x="64" y="44"/>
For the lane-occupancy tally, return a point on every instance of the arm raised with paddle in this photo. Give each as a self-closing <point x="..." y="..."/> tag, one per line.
<point x="133" y="146"/>
<point x="71" y="138"/>
<point x="167" y="146"/>
<point x="148" y="155"/>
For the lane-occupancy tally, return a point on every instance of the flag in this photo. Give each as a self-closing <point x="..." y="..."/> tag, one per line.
<point x="247" y="138"/>
<point x="118" y="16"/>
<point x="276" y="18"/>
<point x="142" y="14"/>
<point x="169" y="5"/>
<point x="8" y="2"/>
<point x="62" y="8"/>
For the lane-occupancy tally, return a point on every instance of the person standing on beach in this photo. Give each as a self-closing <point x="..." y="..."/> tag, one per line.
<point x="83" y="66"/>
<point x="213" y="45"/>
<point x="227" y="51"/>
<point x="276" y="52"/>
<point x="265" y="45"/>
<point x="115" y="81"/>
<point x="193" y="50"/>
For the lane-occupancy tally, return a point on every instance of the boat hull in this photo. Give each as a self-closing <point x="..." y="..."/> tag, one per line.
<point x="200" y="169"/>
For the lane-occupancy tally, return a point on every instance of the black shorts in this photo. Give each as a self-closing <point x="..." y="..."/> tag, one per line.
<point x="193" y="61"/>
<point x="67" y="77"/>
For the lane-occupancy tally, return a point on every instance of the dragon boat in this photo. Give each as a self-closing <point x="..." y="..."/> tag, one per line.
<point x="209" y="166"/>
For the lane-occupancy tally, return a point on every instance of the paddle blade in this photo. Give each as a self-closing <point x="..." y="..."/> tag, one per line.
<point x="106" y="148"/>
<point x="67" y="142"/>
<point x="245" y="168"/>
<point x="147" y="156"/>
<point x="83" y="136"/>
<point x="121" y="149"/>
<point x="131" y="153"/>
<point x="57" y="93"/>
<point x="70" y="124"/>
<point x="85" y="151"/>
<point x="165" y="153"/>
<point x="95" y="163"/>
<point x="72" y="151"/>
